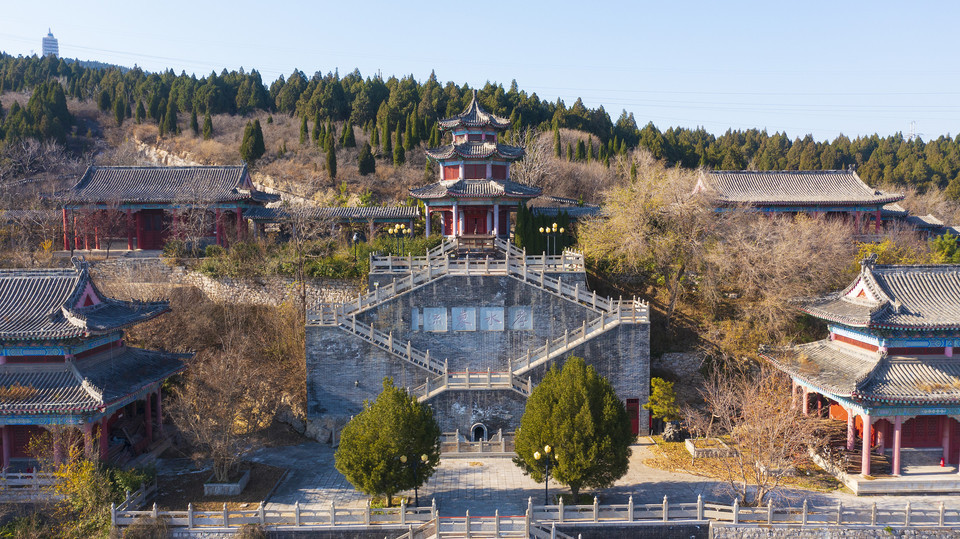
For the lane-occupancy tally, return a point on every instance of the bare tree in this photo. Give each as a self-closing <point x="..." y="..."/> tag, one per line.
<point x="753" y="412"/>
<point x="307" y="225"/>
<point x="537" y="165"/>
<point x="227" y="394"/>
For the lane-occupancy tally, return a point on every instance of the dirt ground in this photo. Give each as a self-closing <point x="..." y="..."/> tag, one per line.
<point x="176" y="491"/>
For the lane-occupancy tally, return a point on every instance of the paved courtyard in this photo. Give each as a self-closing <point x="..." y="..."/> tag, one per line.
<point x="486" y="484"/>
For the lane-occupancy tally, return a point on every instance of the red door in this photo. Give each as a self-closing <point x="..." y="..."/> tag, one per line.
<point x="448" y="223"/>
<point x="152" y="229"/>
<point x="475" y="222"/>
<point x="633" y="412"/>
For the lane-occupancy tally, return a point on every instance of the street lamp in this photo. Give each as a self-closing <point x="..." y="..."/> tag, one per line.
<point x="551" y="232"/>
<point x="416" y="476"/>
<point x="356" y="238"/>
<point x="546" y="476"/>
<point x="398" y="232"/>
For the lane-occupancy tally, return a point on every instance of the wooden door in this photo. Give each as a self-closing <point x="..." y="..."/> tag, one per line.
<point x="475" y="222"/>
<point x="633" y="412"/>
<point x="152" y="229"/>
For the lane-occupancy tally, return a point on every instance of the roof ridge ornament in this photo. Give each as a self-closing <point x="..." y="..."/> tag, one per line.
<point x="869" y="261"/>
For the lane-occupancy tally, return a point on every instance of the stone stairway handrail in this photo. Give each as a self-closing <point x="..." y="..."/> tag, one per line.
<point x="386" y="341"/>
<point x="570" y="340"/>
<point x="474" y="380"/>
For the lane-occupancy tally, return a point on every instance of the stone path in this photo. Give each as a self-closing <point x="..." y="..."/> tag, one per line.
<point x="486" y="484"/>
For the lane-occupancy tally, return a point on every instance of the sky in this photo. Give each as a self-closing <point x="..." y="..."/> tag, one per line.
<point x="816" y="67"/>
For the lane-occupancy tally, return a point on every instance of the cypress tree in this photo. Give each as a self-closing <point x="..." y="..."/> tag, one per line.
<point x="331" y="157"/>
<point x="194" y="124"/>
<point x="557" y="148"/>
<point x="569" y="151"/>
<point x="304" y="130"/>
<point x="623" y="147"/>
<point x="141" y="112"/>
<point x="170" y="118"/>
<point x="103" y="101"/>
<point x="633" y="171"/>
<point x="581" y="150"/>
<point x="207" y="127"/>
<point x="119" y="111"/>
<point x="408" y="137"/>
<point x="160" y="123"/>
<point x="590" y="156"/>
<point x="322" y="137"/>
<point x="331" y="130"/>
<point x="349" y="139"/>
<point x="315" y="134"/>
<point x="399" y="156"/>
<point x="252" y="146"/>
<point x="366" y="164"/>
<point x="376" y="136"/>
<point x="387" y="140"/>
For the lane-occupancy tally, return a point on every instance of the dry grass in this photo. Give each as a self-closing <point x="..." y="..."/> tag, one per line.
<point x="175" y="492"/>
<point x="674" y="457"/>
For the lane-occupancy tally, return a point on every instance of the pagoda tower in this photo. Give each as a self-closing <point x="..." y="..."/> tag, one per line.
<point x="475" y="195"/>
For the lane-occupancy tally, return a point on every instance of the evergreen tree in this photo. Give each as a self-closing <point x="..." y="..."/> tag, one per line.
<point x="304" y="130"/>
<point x="408" y="137"/>
<point x="207" y="127"/>
<point x="119" y="111"/>
<point x="581" y="150"/>
<point x="161" y="126"/>
<point x="376" y="136"/>
<point x="569" y="151"/>
<point x="577" y="413"/>
<point x="399" y="156"/>
<point x="387" y="141"/>
<point x="557" y="149"/>
<point x="141" y="113"/>
<point x="633" y="171"/>
<point x="348" y="140"/>
<point x="366" y="164"/>
<point x="370" y="444"/>
<point x="170" y="118"/>
<point x="252" y="146"/>
<point x="590" y="156"/>
<point x="103" y="101"/>
<point x="315" y="134"/>
<point x="331" y="157"/>
<point x="194" y="124"/>
<point x="663" y="400"/>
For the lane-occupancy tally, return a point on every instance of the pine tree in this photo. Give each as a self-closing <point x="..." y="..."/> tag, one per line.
<point x="633" y="171"/>
<point x="207" y="127"/>
<point x="590" y="156"/>
<point x="304" y="130"/>
<point x="376" y="136"/>
<point x="315" y="134"/>
<point x="581" y="150"/>
<point x="194" y="124"/>
<point x="662" y="402"/>
<point x="119" y="111"/>
<point x="408" y="137"/>
<point x="366" y="164"/>
<point x="387" y="141"/>
<point x="331" y="157"/>
<point x="103" y="101"/>
<point x="141" y="112"/>
<point x="161" y="127"/>
<point x="331" y="131"/>
<point x="557" y="149"/>
<point x="578" y="414"/>
<point x="570" y="151"/>
<point x="399" y="156"/>
<point x="349" y="140"/>
<point x="252" y="147"/>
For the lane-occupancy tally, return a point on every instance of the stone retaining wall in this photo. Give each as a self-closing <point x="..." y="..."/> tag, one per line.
<point x="730" y="531"/>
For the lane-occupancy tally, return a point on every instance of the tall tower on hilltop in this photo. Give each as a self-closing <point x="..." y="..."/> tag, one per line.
<point x="475" y="194"/>
<point x="50" y="45"/>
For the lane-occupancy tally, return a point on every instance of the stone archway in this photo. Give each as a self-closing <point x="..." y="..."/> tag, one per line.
<point x="478" y="432"/>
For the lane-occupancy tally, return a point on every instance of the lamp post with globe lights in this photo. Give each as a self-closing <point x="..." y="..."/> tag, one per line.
<point x="546" y="457"/>
<point x="416" y="476"/>
<point x="398" y="232"/>
<point x="550" y="232"/>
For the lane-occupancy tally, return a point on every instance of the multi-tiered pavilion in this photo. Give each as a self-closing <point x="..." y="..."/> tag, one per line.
<point x="475" y="195"/>
<point x="888" y="367"/>
<point x="64" y="364"/>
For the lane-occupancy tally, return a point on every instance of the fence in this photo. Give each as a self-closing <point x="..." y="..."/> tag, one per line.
<point x="501" y="442"/>
<point x="25" y="487"/>
<point x="414" y="519"/>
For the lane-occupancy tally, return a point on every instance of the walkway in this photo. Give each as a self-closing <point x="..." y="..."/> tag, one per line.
<point x="486" y="484"/>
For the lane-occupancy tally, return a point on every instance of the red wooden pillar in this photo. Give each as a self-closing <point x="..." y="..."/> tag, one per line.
<point x="793" y="394"/>
<point x="66" y="242"/>
<point x="159" y="413"/>
<point x="806" y="401"/>
<point x="148" y="418"/>
<point x="174" y="225"/>
<point x="138" y="221"/>
<point x="240" y="226"/>
<point x="876" y="224"/>
<point x="5" y="433"/>
<point x="76" y="235"/>
<point x="129" y="230"/>
<point x="104" y="439"/>
<point x="945" y="432"/>
<point x="897" y="435"/>
<point x="217" y="225"/>
<point x="865" y="453"/>
<point x="96" y="237"/>
<point x="851" y="430"/>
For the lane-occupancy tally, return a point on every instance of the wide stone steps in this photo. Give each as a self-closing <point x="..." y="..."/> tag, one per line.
<point x="554" y="348"/>
<point x="386" y="342"/>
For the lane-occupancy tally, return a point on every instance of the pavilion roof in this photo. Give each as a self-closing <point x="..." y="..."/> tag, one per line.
<point x="475" y="189"/>
<point x="191" y="185"/>
<point x="476" y="150"/>
<point x="474" y="116"/>
<point x="48" y="304"/>
<point x="895" y="297"/>
<point x="791" y="187"/>
<point x="81" y="386"/>
<point x="846" y="371"/>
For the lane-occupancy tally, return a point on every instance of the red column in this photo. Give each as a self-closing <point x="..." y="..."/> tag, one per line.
<point x="148" y="418"/>
<point x="159" y="413"/>
<point x="876" y="224"/>
<point x="96" y="237"/>
<point x="138" y="218"/>
<point x="793" y="394"/>
<point x="76" y="236"/>
<point x="129" y="230"/>
<point x="946" y="439"/>
<point x="5" y="433"/>
<point x="240" y="226"/>
<point x="104" y="439"/>
<point x="806" y="401"/>
<point x="66" y="243"/>
<point x="851" y="431"/>
<point x="217" y="225"/>
<point x="897" y="429"/>
<point x="865" y="454"/>
<point x="173" y="223"/>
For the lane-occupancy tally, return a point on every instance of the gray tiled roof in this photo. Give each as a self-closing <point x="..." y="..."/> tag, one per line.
<point x="345" y="213"/>
<point x="907" y="297"/>
<point x="925" y="221"/>
<point x="846" y="371"/>
<point x="788" y="187"/>
<point x="474" y="116"/>
<point x="476" y="150"/>
<point x="85" y="385"/>
<point x="575" y="212"/>
<point x="893" y="210"/>
<point x="165" y="184"/>
<point x="40" y="304"/>
<point x="475" y="189"/>
<point x="832" y="367"/>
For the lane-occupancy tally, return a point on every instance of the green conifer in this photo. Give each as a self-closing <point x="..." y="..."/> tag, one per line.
<point x="119" y="111"/>
<point x="207" y="127"/>
<point x="304" y="130"/>
<point x="387" y="141"/>
<point x="170" y="118"/>
<point x="399" y="156"/>
<point x="408" y="137"/>
<point x="317" y="126"/>
<point x="376" y="136"/>
<point x="349" y="139"/>
<point x="557" y="148"/>
<point x="366" y="164"/>
<point x="331" y="157"/>
<point x="570" y="151"/>
<point x="141" y="112"/>
<point x="194" y="124"/>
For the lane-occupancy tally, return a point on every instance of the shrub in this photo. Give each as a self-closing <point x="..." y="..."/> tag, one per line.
<point x="214" y="251"/>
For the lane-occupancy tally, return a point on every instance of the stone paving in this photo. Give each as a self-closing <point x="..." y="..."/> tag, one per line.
<point x="486" y="484"/>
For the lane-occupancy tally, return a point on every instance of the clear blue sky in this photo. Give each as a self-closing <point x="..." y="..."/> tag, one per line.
<point x="801" y="67"/>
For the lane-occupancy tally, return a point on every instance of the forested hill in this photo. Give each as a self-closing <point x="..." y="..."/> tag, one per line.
<point x="413" y="107"/>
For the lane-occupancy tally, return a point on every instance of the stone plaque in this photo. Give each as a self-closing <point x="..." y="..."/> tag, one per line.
<point x="520" y="318"/>
<point x="415" y="319"/>
<point x="491" y="319"/>
<point x="435" y="319"/>
<point x="464" y="318"/>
